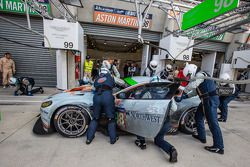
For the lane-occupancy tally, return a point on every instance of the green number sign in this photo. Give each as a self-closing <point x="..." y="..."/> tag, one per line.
<point x="207" y="10"/>
<point x="17" y="6"/>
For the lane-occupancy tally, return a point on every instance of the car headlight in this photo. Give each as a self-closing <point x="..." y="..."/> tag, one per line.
<point x="46" y="104"/>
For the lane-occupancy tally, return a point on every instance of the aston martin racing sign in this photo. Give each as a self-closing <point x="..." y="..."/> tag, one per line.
<point x="119" y="17"/>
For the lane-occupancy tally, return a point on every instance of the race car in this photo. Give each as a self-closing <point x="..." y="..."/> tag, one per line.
<point x="141" y="109"/>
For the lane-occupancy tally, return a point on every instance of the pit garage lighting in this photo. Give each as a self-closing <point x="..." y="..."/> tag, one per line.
<point x="76" y="3"/>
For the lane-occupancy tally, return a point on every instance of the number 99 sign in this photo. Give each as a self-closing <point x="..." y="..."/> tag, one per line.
<point x="69" y="45"/>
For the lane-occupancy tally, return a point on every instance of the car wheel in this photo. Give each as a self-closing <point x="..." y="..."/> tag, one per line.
<point x="71" y="121"/>
<point x="188" y="121"/>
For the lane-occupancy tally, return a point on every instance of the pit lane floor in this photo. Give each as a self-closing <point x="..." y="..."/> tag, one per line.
<point x="20" y="147"/>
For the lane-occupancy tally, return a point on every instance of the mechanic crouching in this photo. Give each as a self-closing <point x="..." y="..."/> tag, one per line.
<point x="24" y="85"/>
<point x="206" y="89"/>
<point x="103" y="100"/>
<point x="159" y="139"/>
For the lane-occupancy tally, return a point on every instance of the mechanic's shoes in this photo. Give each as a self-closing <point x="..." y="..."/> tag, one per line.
<point x="214" y="149"/>
<point x="172" y="131"/>
<point x="113" y="142"/>
<point x="197" y="137"/>
<point x="88" y="141"/>
<point x="141" y="144"/>
<point x="41" y="90"/>
<point x="221" y="120"/>
<point x="173" y="155"/>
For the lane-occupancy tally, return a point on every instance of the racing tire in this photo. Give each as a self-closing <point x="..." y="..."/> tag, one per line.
<point x="187" y="122"/>
<point x="71" y="121"/>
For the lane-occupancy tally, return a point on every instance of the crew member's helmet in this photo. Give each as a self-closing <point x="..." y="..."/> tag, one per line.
<point x="13" y="81"/>
<point x="225" y="76"/>
<point x="153" y="64"/>
<point x="169" y="67"/>
<point x="104" y="70"/>
<point x="106" y="64"/>
<point x="190" y="70"/>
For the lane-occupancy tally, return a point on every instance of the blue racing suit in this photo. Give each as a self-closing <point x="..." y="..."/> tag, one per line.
<point x="103" y="100"/>
<point x="206" y="89"/>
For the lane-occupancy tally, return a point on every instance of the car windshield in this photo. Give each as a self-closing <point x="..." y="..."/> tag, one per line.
<point x="152" y="91"/>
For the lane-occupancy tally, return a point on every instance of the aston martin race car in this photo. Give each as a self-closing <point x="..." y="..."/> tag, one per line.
<point x="141" y="109"/>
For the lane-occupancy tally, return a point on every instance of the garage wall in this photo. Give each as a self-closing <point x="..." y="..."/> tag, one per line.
<point x="30" y="61"/>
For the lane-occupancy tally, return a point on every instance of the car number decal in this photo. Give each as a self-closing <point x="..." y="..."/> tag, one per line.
<point x="121" y="120"/>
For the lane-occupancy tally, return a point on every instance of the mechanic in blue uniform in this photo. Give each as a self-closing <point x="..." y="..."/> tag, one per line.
<point x="225" y="100"/>
<point x="159" y="139"/>
<point x="25" y="85"/>
<point x="206" y="89"/>
<point x="103" y="100"/>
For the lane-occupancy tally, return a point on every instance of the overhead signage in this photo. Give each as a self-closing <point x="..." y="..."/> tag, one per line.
<point x="207" y="31"/>
<point x="175" y="45"/>
<point x="120" y="17"/>
<point x="63" y="34"/>
<point x="207" y="10"/>
<point x="17" y="6"/>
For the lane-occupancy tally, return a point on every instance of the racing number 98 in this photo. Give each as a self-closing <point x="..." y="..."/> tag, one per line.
<point x="146" y="24"/>
<point x="185" y="57"/>
<point x="68" y="45"/>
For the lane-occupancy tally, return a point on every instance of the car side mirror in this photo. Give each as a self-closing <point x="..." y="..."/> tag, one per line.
<point x="121" y="95"/>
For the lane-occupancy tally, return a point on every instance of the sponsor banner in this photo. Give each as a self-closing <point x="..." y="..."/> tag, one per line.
<point x="207" y="10"/>
<point x="17" y="6"/>
<point x="119" y="17"/>
<point x="208" y="31"/>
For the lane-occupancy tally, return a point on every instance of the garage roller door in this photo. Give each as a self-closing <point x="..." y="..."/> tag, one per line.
<point x="30" y="61"/>
<point x="212" y="46"/>
<point x="119" y="32"/>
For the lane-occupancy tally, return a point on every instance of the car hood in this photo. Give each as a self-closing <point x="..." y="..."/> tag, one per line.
<point x="72" y="95"/>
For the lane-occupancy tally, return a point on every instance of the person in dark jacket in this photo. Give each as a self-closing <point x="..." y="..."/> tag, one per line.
<point x="24" y="85"/>
<point x="103" y="100"/>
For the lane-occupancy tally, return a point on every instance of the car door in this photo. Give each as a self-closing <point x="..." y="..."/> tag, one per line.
<point x="142" y="109"/>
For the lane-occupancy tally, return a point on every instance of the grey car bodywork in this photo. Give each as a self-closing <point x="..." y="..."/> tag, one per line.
<point x="141" y="114"/>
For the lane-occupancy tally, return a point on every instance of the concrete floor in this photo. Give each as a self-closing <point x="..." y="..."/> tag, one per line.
<point x="20" y="147"/>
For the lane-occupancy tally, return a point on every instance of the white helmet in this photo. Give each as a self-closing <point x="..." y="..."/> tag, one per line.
<point x="169" y="67"/>
<point x="153" y="64"/>
<point x="13" y="80"/>
<point x="225" y="76"/>
<point x="86" y="80"/>
<point x="190" y="70"/>
<point x="106" y="64"/>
